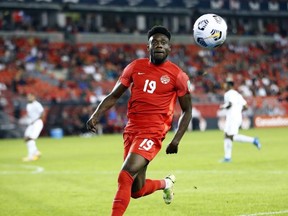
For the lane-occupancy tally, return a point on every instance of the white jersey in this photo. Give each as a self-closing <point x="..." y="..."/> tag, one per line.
<point x="237" y="102"/>
<point x="234" y="113"/>
<point x="34" y="111"/>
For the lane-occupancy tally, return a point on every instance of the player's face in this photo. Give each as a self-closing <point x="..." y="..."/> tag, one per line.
<point x="159" y="48"/>
<point x="30" y="98"/>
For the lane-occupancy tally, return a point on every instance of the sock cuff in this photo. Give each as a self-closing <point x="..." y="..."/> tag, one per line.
<point x="125" y="176"/>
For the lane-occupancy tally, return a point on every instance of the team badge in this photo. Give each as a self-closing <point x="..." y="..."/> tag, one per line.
<point x="165" y="79"/>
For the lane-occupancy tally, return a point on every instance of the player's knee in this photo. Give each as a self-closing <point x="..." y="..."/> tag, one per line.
<point x="137" y="194"/>
<point x="132" y="170"/>
<point x="27" y="139"/>
<point x="229" y="136"/>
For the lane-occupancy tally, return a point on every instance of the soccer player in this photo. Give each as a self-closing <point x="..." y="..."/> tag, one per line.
<point x="35" y="113"/>
<point x="155" y="84"/>
<point x="234" y="103"/>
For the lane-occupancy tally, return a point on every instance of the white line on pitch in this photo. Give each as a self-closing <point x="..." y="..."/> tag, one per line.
<point x="31" y="169"/>
<point x="266" y="213"/>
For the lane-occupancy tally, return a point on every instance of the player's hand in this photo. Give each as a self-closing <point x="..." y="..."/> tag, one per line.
<point x="222" y="106"/>
<point x="91" y="125"/>
<point x="172" y="148"/>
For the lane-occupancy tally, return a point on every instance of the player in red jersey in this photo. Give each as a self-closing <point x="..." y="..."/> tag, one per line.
<point x="155" y="84"/>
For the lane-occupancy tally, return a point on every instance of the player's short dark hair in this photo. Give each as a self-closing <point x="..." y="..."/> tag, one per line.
<point x="230" y="83"/>
<point x="159" y="29"/>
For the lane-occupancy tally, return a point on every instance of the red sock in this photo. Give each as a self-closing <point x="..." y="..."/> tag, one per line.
<point x="149" y="187"/>
<point x="122" y="197"/>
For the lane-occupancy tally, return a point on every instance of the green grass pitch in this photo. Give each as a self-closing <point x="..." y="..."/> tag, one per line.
<point x="77" y="176"/>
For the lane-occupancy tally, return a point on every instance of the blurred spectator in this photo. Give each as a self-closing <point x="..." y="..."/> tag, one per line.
<point x="17" y="108"/>
<point x="281" y="38"/>
<point x="272" y="27"/>
<point x="261" y="91"/>
<point x="18" y="80"/>
<point x="283" y="95"/>
<point x="196" y="116"/>
<point x="115" y="122"/>
<point x="84" y="116"/>
<point x="245" y="90"/>
<point x="3" y="103"/>
<point x="3" y="87"/>
<point x="273" y="89"/>
<point x="234" y="4"/>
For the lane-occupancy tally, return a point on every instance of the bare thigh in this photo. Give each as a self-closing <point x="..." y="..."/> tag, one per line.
<point x="136" y="166"/>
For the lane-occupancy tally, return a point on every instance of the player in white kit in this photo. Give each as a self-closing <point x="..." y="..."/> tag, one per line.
<point x="35" y="113"/>
<point x="234" y="104"/>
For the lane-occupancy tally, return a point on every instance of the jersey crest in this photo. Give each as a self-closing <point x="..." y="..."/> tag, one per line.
<point x="165" y="79"/>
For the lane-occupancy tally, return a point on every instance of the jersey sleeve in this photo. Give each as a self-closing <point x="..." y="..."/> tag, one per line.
<point x="183" y="84"/>
<point x="126" y="76"/>
<point x="226" y="98"/>
<point x="40" y="108"/>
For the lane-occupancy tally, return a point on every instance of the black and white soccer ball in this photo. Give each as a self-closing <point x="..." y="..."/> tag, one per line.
<point x="210" y="31"/>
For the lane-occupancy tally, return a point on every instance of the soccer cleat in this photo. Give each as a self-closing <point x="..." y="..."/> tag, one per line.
<point x="226" y="160"/>
<point x="29" y="159"/>
<point x="168" y="193"/>
<point x="257" y="143"/>
<point x="38" y="154"/>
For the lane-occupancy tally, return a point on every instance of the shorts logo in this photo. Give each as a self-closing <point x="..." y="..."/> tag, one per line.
<point x="141" y="73"/>
<point x="165" y="79"/>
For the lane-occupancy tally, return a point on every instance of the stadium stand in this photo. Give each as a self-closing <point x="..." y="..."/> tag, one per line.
<point x="69" y="73"/>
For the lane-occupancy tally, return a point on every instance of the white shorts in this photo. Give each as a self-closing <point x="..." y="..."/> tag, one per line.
<point x="232" y="126"/>
<point x="33" y="130"/>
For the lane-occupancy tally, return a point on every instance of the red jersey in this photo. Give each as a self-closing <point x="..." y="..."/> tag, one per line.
<point x="154" y="90"/>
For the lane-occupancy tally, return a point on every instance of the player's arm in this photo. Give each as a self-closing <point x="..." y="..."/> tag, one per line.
<point x="226" y="105"/>
<point x="42" y="115"/>
<point x="109" y="101"/>
<point x="185" y="118"/>
<point x="42" y="110"/>
<point x="245" y="107"/>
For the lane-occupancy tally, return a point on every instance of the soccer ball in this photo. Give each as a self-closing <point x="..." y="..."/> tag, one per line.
<point x="210" y="31"/>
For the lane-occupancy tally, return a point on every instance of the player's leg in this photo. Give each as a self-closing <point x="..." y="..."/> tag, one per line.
<point x="247" y="139"/>
<point x="243" y="138"/>
<point x="139" y="181"/>
<point x="130" y="169"/>
<point x="230" y="129"/>
<point x="143" y="187"/>
<point x="33" y="152"/>
<point x="31" y="134"/>
<point x="31" y="147"/>
<point x="30" y="143"/>
<point x="227" y="148"/>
